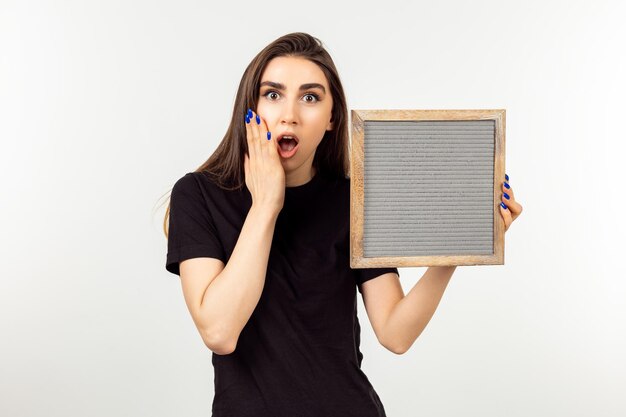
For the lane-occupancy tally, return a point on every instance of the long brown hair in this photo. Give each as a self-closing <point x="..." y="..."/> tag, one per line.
<point x="225" y="166"/>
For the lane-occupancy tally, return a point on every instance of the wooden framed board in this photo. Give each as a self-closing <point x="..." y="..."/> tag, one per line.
<point x="425" y="188"/>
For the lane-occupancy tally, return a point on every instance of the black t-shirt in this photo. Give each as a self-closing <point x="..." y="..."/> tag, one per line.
<point x="299" y="354"/>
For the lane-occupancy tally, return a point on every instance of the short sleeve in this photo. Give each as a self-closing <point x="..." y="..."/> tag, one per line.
<point x="365" y="274"/>
<point x="192" y="232"/>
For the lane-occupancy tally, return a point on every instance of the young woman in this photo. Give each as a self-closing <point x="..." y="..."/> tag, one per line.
<point x="259" y="236"/>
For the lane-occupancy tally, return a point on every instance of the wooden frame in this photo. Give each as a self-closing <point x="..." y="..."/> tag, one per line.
<point x="358" y="187"/>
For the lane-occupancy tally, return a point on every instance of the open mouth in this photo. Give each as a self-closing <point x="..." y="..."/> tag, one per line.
<point x="287" y="145"/>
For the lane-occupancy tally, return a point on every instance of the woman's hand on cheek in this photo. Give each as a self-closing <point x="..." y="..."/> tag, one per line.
<point x="264" y="173"/>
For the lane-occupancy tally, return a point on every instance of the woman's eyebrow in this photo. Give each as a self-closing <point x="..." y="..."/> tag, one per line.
<point x="280" y="86"/>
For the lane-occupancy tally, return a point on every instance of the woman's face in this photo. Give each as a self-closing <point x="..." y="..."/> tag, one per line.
<point x="287" y="103"/>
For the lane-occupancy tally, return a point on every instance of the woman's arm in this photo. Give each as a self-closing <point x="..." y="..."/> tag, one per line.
<point x="399" y="319"/>
<point x="411" y="315"/>
<point x="222" y="309"/>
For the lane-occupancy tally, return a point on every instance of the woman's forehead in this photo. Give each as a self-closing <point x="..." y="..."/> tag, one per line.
<point x="292" y="72"/>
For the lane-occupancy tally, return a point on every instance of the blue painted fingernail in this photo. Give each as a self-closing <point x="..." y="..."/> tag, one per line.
<point x="247" y="120"/>
<point x="249" y="114"/>
<point x="269" y="135"/>
<point x="258" y="119"/>
<point x="503" y="205"/>
<point x="507" y="186"/>
<point x="507" y="196"/>
<point x="506" y="177"/>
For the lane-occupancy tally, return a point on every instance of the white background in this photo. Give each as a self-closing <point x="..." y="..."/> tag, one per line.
<point x="104" y="104"/>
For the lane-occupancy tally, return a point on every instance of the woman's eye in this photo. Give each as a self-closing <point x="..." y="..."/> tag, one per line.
<point x="272" y="97"/>
<point x="314" y="96"/>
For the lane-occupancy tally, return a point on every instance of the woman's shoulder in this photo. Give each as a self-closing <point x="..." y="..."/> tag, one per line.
<point x="201" y="190"/>
<point x="191" y="181"/>
<point x="196" y="186"/>
<point x="208" y="181"/>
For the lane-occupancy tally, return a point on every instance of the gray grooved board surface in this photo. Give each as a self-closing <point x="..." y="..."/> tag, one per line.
<point x="428" y="188"/>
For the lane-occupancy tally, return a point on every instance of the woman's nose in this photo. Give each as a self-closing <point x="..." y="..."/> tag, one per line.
<point x="289" y="114"/>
